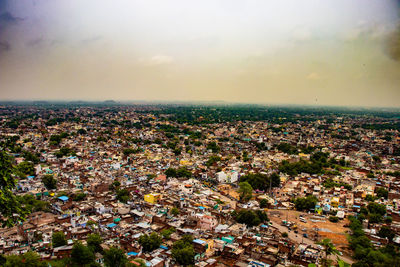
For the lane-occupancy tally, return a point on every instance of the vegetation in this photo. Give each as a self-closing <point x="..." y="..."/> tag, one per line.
<point x="24" y="169"/>
<point x="9" y="205"/>
<point x="150" y="242"/>
<point x="329" y="249"/>
<point x="123" y="195"/>
<point x="166" y="233"/>
<point x="94" y="242"/>
<point x="261" y="181"/>
<point x="329" y="183"/>
<point x="183" y="252"/>
<point x="180" y="172"/>
<point x="250" y="217"/>
<point x="49" y="182"/>
<point x="263" y="203"/>
<point x="114" y="257"/>
<point x="287" y="148"/>
<point x="31" y="204"/>
<point x="245" y="191"/>
<point x="333" y="219"/>
<point x="29" y="259"/>
<point x="305" y="203"/>
<point x="382" y="192"/>
<point x="81" y="255"/>
<point x="59" y="239"/>
<point x="365" y="253"/>
<point x="174" y="211"/>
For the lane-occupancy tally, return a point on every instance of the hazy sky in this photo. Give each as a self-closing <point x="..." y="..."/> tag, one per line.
<point x="325" y="52"/>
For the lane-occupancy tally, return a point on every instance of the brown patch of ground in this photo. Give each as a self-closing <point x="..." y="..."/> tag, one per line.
<point x="318" y="229"/>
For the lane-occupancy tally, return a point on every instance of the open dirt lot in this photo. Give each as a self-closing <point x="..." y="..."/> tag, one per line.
<point x="314" y="226"/>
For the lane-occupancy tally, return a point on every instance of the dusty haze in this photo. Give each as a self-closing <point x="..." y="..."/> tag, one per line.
<point x="331" y="52"/>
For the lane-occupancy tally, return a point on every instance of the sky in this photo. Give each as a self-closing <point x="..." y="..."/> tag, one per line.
<point x="313" y="52"/>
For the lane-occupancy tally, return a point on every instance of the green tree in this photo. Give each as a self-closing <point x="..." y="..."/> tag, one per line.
<point x="250" y="217"/>
<point x="94" y="242"/>
<point x="333" y="219"/>
<point x="183" y="251"/>
<point x="25" y="168"/>
<point x="245" y="191"/>
<point x="174" y="211"/>
<point x="150" y="242"/>
<point x="166" y="233"/>
<point x="59" y="239"/>
<point x="263" y="203"/>
<point x="382" y="192"/>
<point x="81" y="255"/>
<point x="49" y="182"/>
<point x="213" y="146"/>
<point x="29" y="259"/>
<point x="114" y="257"/>
<point x="10" y="208"/>
<point x="369" y="198"/>
<point x="123" y="195"/>
<point x="386" y="232"/>
<point x="329" y="249"/>
<point x="170" y="172"/>
<point x="275" y="180"/>
<point x="305" y="203"/>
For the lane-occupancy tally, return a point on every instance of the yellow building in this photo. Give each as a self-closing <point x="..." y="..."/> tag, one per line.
<point x="152" y="198"/>
<point x="335" y="202"/>
<point x="210" y="248"/>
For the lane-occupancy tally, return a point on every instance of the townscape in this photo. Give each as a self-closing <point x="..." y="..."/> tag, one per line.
<point x="199" y="185"/>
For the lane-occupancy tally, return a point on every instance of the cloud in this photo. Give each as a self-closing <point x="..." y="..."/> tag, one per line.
<point x="364" y="30"/>
<point x="157" y="60"/>
<point x="92" y="39"/>
<point x="313" y="76"/>
<point x="4" y="46"/>
<point x="302" y="34"/>
<point x="35" y="42"/>
<point x="7" y="17"/>
<point x="392" y="45"/>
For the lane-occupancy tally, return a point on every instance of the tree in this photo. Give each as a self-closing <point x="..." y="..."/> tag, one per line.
<point x="305" y="203"/>
<point x="333" y="219"/>
<point x="386" y="232"/>
<point x="25" y="168"/>
<point x="170" y="172"/>
<point x="261" y="181"/>
<point x="59" y="239"/>
<point x="166" y="233"/>
<point x="285" y="234"/>
<point x="49" y="182"/>
<point x="245" y="191"/>
<point x="369" y="198"/>
<point x="174" y="211"/>
<point x="114" y="257"/>
<point x="94" y="242"/>
<point x="275" y="180"/>
<point x="123" y="195"/>
<point x="329" y="249"/>
<point x="10" y="208"/>
<point x="250" y="217"/>
<point x="81" y="255"/>
<point x="29" y="259"/>
<point x="382" y="192"/>
<point x="183" y="251"/>
<point x="263" y="203"/>
<point x="150" y="242"/>
<point x="213" y="146"/>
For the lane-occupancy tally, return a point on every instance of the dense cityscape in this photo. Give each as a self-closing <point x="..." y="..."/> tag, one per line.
<point x="94" y="184"/>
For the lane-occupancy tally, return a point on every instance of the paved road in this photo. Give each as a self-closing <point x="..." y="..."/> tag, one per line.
<point x="298" y="238"/>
